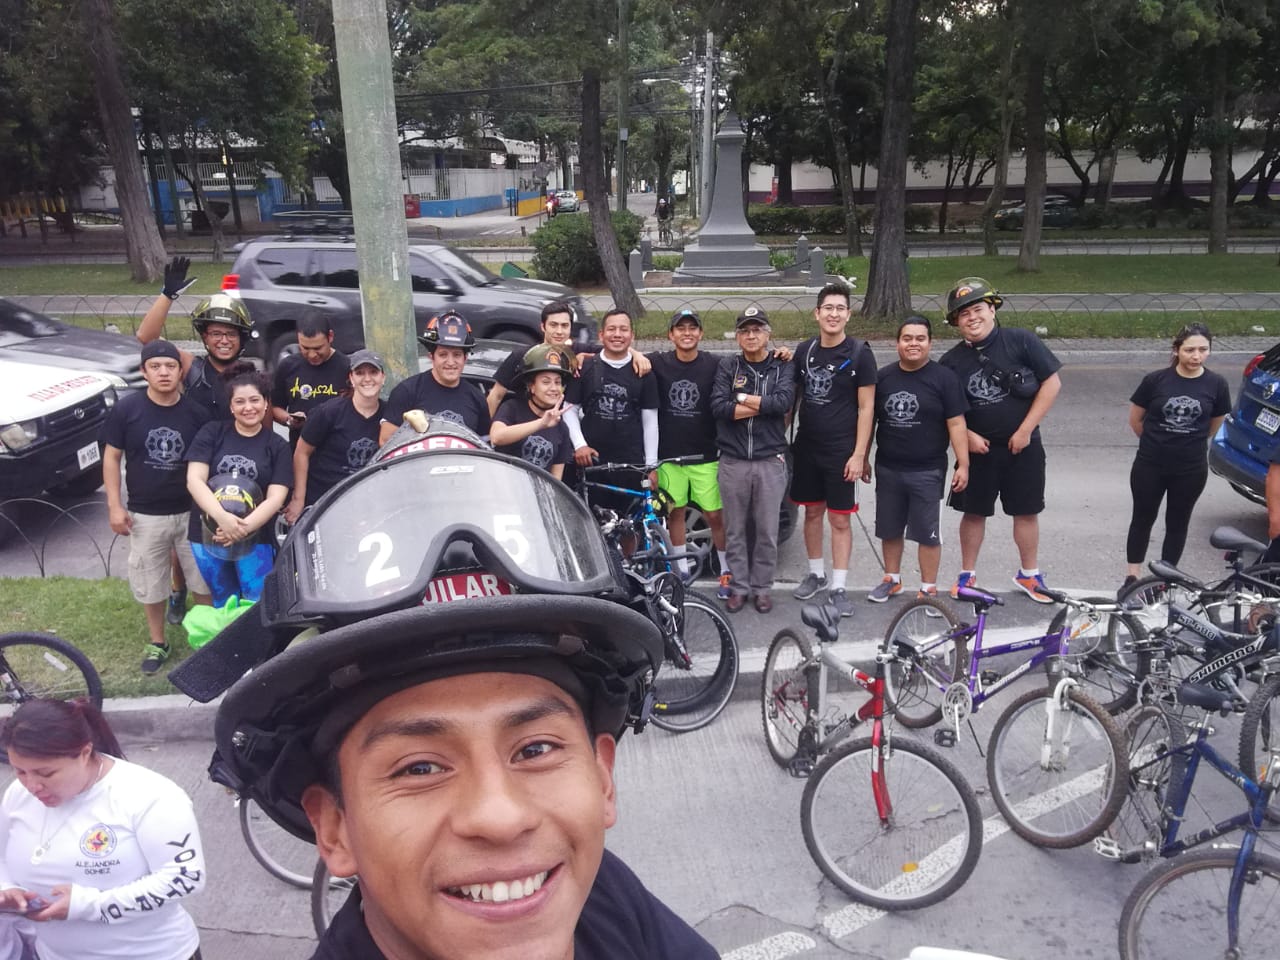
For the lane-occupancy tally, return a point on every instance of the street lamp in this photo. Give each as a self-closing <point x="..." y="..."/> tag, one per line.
<point x="692" y="179"/>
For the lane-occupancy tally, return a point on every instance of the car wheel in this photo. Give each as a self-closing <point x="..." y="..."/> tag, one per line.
<point x="698" y="534"/>
<point x="282" y="346"/>
<point x="516" y="335"/>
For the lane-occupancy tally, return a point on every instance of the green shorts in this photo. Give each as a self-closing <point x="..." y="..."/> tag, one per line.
<point x="691" y="481"/>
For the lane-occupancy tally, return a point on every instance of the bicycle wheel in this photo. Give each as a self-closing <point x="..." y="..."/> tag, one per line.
<point x="281" y="854"/>
<point x="919" y="851"/>
<point x="696" y="681"/>
<point x="1260" y="733"/>
<point x="328" y="894"/>
<point x="1180" y="909"/>
<point x="1061" y="789"/>
<point x="925" y="662"/>
<point x="1150" y="598"/>
<point x="1107" y="654"/>
<point x="784" y="695"/>
<point x="1139" y="826"/>
<point x="36" y="665"/>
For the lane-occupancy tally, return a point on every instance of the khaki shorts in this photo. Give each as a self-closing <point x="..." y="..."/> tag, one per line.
<point x="150" y="542"/>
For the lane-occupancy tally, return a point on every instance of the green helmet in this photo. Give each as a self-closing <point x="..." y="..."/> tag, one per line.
<point x="221" y="308"/>
<point x="967" y="291"/>
<point x="546" y="358"/>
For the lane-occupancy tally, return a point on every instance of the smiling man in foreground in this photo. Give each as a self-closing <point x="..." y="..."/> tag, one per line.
<point x="458" y="756"/>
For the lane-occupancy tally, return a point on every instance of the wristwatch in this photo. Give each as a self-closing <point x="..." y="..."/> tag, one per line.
<point x="742" y="398"/>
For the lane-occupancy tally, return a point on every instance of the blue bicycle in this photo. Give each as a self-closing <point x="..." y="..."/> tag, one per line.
<point x="1216" y="903"/>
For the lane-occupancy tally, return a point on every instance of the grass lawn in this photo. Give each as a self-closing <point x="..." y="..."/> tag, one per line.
<point x="98" y="616"/>
<point x="98" y="278"/>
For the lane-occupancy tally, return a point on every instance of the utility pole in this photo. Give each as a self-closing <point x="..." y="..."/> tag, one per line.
<point x="624" y="95"/>
<point x="373" y="162"/>
<point x="708" y="125"/>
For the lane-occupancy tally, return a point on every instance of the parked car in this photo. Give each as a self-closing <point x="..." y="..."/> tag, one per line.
<point x="568" y="201"/>
<point x="50" y="419"/>
<point x="30" y="337"/>
<point x="1242" y="449"/>
<point x="1059" y="211"/>
<point x="282" y="278"/>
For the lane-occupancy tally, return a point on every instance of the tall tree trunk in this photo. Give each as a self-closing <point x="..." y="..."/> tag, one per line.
<point x="1174" y="195"/>
<point x="785" y="159"/>
<point x="1035" y="41"/>
<point x="149" y="149"/>
<point x="995" y="196"/>
<point x="1219" y="153"/>
<point x="142" y="240"/>
<point x="1262" y="195"/>
<point x="197" y="190"/>
<point x="591" y="157"/>
<point x="888" y="291"/>
<point x="171" y="178"/>
<point x="230" y="168"/>
<point x="839" y="134"/>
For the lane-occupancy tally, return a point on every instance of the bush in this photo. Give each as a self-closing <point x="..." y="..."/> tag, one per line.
<point x="919" y="218"/>
<point x="565" y="248"/>
<point x="781" y="259"/>
<point x="667" y="261"/>
<point x="777" y="220"/>
<point x="1253" y="216"/>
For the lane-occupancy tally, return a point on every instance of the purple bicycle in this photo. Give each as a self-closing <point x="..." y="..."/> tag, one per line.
<point x="1057" y="763"/>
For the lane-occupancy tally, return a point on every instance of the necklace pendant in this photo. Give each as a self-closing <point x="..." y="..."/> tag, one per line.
<point x="37" y="856"/>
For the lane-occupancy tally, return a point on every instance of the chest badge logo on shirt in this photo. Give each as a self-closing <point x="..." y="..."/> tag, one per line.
<point x="612" y="403"/>
<point x="165" y="446"/>
<point x="817" y="382"/>
<point x="98" y="841"/>
<point x="537" y="451"/>
<point x="451" y="416"/>
<point x="684" y="396"/>
<point x="739" y="381"/>
<point x="901" y="406"/>
<point x="360" y="452"/>
<point x="235" y="463"/>
<point x="981" y="388"/>
<point x="1181" y="412"/>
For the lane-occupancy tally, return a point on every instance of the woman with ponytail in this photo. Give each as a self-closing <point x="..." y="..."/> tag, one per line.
<point x="98" y="851"/>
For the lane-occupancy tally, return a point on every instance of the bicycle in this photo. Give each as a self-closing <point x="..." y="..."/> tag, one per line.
<point x="1056" y="760"/>
<point x="1163" y="767"/>
<point x="926" y="835"/>
<point x="38" y="666"/>
<point x="280" y="853"/>
<point x="328" y="894"/>
<point x="664" y="232"/>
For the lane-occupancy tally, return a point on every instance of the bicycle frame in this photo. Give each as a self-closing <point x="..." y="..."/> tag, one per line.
<point x="815" y="672"/>
<point x="1232" y="648"/>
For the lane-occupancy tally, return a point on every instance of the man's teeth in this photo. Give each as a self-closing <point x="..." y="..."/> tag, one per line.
<point x="503" y="890"/>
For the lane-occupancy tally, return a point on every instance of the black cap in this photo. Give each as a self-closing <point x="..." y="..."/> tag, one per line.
<point x="749" y="316"/>
<point x="367" y="357"/>
<point x="680" y="316"/>
<point x="160" y="348"/>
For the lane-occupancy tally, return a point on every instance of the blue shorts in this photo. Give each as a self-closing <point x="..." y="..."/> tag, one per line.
<point x="243" y="576"/>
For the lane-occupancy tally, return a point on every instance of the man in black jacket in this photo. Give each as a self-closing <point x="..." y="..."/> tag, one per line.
<point x="752" y="393"/>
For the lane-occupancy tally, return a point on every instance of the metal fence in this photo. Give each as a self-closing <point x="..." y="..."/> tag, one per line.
<point x="47" y="537"/>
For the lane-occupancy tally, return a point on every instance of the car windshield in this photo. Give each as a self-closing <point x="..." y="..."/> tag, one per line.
<point x="18" y="324"/>
<point x="471" y="270"/>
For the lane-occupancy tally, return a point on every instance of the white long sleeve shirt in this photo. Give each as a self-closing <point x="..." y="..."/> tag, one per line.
<point x="130" y="848"/>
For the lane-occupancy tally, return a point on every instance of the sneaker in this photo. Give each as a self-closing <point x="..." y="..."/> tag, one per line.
<point x="840" y="600"/>
<point x="809" y="586"/>
<point x="1032" y="586"/>
<point x="965" y="579"/>
<point x="1128" y="581"/>
<point x="885" y="589"/>
<point x="155" y="656"/>
<point x="725" y="591"/>
<point x="177" y="608"/>
<point x="930" y="594"/>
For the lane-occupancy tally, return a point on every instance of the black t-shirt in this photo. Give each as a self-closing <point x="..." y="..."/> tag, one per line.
<point x="463" y="404"/>
<point x="1175" y="428"/>
<point x="300" y="387"/>
<point x="344" y="442"/>
<point x="154" y="440"/>
<point x="827" y="382"/>
<point x="544" y="448"/>
<point x="994" y="412"/>
<point x="263" y="458"/>
<point x="621" y="920"/>
<point x="205" y="387"/>
<point x="912" y="410"/>
<point x="508" y="372"/>
<point x="686" y="426"/>
<point x="611" y="399"/>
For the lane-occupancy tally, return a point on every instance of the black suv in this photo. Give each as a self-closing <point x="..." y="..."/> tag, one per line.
<point x="282" y="278"/>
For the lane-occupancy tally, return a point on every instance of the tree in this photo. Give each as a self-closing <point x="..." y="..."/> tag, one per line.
<point x="1036" y="30"/>
<point x="145" y="251"/>
<point x="888" y="292"/>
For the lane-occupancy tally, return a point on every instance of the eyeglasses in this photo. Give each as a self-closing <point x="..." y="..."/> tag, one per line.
<point x="212" y="335"/>
<point x="833" y="308"/>
<point x="753" y="332"/>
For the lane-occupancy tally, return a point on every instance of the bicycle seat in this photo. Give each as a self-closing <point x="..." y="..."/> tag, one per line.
<point x="1229" y="538"/>
<point x="1171" y="574"/>
<point x="1206" y="698"/>
<point x="980" y="599"/>
<point x="824" y="618"/>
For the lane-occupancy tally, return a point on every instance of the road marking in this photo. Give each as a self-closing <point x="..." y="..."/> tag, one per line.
<point x="773" y="948"/>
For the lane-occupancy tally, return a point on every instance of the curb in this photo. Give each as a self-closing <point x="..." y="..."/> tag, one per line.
<point x="171" y="717"/>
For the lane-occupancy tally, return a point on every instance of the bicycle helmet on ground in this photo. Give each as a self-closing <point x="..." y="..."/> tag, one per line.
<point x="967" y="291"/>
<point x="546" y="358"/>
<point x="224" y="309"/>
<point x="239" y="496"/>
<point x="447" y="330"/>
<point x="374" y="565"/>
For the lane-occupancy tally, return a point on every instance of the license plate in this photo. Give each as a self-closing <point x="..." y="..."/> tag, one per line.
<point x="1268" y="420"/>
<point x="90" y="455"/>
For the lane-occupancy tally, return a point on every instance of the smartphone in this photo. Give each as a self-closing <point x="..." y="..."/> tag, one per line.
<point x="34" y="905"/>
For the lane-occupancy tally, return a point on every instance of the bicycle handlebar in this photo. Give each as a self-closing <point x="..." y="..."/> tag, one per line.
<point x="645" y="468"/>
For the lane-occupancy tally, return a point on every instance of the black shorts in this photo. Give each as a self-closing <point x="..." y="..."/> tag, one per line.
<point x="817" y="477"/>
<point x="1018" y="480"/>
<point x="909" y="500"/>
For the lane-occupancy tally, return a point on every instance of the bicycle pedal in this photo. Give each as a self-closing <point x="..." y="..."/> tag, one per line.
<point x="944" y="737"/>
<point x="800" y="767"/>
<point x="1108" y="849"/>
<point x="988" y="677"/>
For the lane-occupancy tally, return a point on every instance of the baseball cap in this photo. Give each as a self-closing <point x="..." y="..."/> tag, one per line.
<point x="361" y="357"/>
<point x="749" y="316"/>
<point x="680" y="316"/>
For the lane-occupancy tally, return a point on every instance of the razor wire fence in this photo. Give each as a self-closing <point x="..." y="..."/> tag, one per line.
<point x="40" y="536"/>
